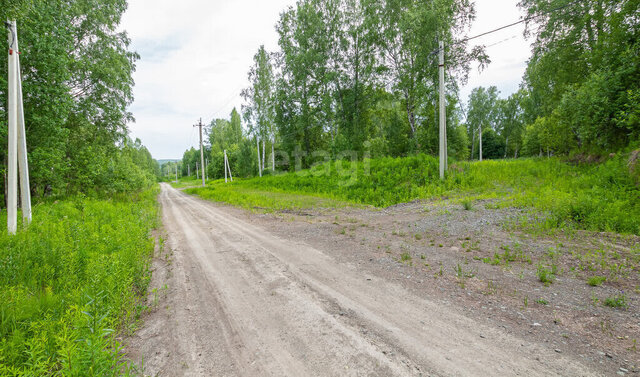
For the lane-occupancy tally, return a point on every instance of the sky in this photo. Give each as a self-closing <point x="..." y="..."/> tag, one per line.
<point x="195" y="55"/>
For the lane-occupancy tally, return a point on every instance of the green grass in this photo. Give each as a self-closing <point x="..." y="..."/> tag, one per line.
<point x="70" y="282"/>
<point x="616" y="301"/>
<point x="256" y="199"/>
<point x="596" y="281"/>
<point x="186" y="182"/>
<point x="546" y="275"/>
<point x="509" y="255"/>
<point x="604" y="197"/>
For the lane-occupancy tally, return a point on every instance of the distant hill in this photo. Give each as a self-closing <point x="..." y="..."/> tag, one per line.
<point x="162" y="162"/>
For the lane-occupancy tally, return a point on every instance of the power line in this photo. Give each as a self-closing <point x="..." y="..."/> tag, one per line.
<point x="509" y="25"/>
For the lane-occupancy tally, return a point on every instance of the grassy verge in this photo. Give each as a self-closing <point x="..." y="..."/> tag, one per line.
<point x="70" y="282"/>
<point x="603" y="197"/>
<point x="265" y="200"/>
<point x="186" y="182"/>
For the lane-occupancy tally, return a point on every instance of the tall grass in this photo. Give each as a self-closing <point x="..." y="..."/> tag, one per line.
<point x="603" y="197"/>
<point x="70" y="281"/>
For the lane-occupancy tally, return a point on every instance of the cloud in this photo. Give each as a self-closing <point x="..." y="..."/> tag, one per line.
<point x="194" y="61"/>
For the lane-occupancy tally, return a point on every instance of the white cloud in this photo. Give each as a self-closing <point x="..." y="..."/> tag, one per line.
<point x="195" y="55"/>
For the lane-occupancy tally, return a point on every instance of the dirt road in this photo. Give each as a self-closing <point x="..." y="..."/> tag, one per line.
<point x="241" y="301"/>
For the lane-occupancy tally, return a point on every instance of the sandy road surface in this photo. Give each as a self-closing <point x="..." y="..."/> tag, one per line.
<point x="244" y="302"/>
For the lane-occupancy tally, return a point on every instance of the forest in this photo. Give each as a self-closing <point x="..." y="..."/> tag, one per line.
<point x="361" y="76"/>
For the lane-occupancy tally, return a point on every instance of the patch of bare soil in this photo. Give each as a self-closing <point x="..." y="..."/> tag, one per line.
<point x="440" y="251"/>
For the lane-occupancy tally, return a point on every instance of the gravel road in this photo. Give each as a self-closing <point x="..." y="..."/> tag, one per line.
<point x="242" y="301"/>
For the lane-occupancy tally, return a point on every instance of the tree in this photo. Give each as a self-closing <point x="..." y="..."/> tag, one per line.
<point x="482" y="114"/>
<point x="584" y="64"/>
<point x="259" y="110"/>
<point x="77" y="83"/>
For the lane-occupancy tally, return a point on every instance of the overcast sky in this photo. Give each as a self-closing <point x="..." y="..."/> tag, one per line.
<point x="195" y="55"/>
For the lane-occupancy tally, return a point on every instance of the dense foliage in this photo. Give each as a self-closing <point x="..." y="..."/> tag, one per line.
<point x="77" y="84"/>
<point x="583" y="80"/>
<point x="70" y="281"/>
<point x="604" y="197"/>
<point x="361" y="76"/>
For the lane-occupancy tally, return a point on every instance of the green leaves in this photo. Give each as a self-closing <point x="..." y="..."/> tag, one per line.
<point x="77" y="83"/>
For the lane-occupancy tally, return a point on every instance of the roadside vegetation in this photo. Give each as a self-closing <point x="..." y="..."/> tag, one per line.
<point x="598" y="197"/>
<point x="71" y="283"/>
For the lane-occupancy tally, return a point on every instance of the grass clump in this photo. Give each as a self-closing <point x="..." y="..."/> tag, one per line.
<point x="596" y="281"/>
<point x="546" y="275"/>
<point x="467" y="204"/>
<point x="616" y="301"/>
<point x="508" y="255"/>
<point x="70" y="281"/>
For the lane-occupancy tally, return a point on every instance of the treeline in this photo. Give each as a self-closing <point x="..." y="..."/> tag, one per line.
<point x="77" y="83"/>
<point x="361" y="76"/>
<point x="580" y="92"/>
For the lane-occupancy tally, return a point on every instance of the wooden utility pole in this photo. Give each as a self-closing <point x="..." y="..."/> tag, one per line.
<point x="443" y="114"/>
<point x="200" y="125"/>
<point x="17" y="148"/>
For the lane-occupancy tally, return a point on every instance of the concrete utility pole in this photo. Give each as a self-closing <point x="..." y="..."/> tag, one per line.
<point x="480" y="132"/>
<point x="200" y="125"/>
<point x="259" y="163"/>
<point x="443" y="114"/>
<point x="17" y="148"/>
<point x="227" y="167"/>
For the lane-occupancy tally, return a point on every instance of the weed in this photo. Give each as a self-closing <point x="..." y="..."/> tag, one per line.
<point x="492" y="288"/>
<point x="542" y="301"/>
<point x="616" y="301"/>
<point x="467" y="204"/>
<point x="418" y="236"/>
<point x="526" y="301"/>
<point x="405" y="257"/>
<point x="596" y="281"/>
<point x="594" y="299"/>
<point x="508" y="256"/>
<point x="545" y="274"/>
<point x="70" y="281"/>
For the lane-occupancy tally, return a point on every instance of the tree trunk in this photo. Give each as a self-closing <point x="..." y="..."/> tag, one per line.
<point x="273" y="156"/>
<point x="506" y="146"/>
<point x="263" y="148"/>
